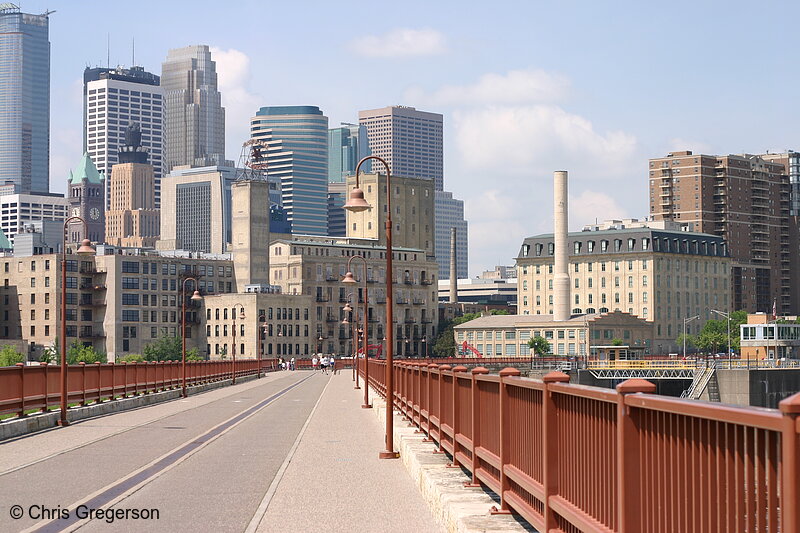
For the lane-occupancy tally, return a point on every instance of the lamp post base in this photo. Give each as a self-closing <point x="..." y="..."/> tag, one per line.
<point x="388" y="455"/>
<point x="357" y="387"/>
<point x="63" y="423"/>
<point x="366" y="406"/>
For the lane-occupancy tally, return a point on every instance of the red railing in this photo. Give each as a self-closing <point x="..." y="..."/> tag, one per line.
<point x="24" y="388"/>
<point x="573" y="458"/>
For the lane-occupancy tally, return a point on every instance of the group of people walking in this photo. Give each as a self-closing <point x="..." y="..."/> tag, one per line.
<point x="323" y="363"/>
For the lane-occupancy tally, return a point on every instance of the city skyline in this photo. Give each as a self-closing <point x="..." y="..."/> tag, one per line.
<point x="533" y="100"/>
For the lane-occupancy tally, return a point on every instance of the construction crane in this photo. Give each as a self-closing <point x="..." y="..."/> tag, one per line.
<point x="466" y="346"/>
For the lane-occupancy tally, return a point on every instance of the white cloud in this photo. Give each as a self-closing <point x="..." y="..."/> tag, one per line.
<point x="401" y="42"/>
<point x="515" y="87"/>
<point x="593" y="206"/>
<point x="522" y="140"/>
<point x="233" y="76"/>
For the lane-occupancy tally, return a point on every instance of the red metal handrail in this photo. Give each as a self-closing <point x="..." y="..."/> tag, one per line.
<point x="574" y="458"/>
<point x="24" y="388"/>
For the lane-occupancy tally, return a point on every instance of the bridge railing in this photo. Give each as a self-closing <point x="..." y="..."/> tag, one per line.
<point x="25" y="388"/>
<point x="574" y="458"/>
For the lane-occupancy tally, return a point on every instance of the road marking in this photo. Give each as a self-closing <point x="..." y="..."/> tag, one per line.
<point x="119" y="490"/>
<point x="273" y="487"/>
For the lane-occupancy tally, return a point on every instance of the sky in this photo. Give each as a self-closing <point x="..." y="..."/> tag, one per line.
<point x="525" y="87"/>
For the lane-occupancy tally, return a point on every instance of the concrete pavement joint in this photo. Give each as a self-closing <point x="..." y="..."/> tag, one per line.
<point x="143" y="475"/>
<point x="273" y="487"/>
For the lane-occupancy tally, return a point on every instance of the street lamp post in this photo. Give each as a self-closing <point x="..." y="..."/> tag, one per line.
<point x="354" y="339"/>
<point x="262" y="336"/>
<point x="425" y="346"/>
<point x="241" y="315"/>
<point x="728" y="318"/>
<point x="356" y="204"/>
<point x="84" y="250"/>
<point x="686" y="321"/>
<point x="195" y="298"/>
<point x="350" y="280"/>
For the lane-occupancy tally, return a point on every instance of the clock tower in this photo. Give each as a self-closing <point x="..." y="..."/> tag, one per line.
<point x="87" y="200"/>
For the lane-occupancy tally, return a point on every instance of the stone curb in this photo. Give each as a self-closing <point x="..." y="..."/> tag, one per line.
<point x="460" y="509"/>
<point x="15" y="427"/>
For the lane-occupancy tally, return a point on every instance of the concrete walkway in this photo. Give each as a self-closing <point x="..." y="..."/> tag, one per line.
<point x="334" y="480"/>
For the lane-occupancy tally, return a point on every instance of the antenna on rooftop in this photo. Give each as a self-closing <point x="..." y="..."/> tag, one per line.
<point x="108" y="50"/>
<point x="133" y="51"/>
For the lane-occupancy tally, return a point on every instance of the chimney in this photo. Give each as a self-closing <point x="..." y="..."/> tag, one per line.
<point x="453" y="268"/>
<point x="561" y="274"/>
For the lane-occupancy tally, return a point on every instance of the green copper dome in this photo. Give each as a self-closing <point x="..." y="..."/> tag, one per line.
<point x="85" y="170"/>
<point x="4" y="242"/>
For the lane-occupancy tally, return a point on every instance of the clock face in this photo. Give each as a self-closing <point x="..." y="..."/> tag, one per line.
<point x="76" y="211"/>
<point x="94" y="213"/>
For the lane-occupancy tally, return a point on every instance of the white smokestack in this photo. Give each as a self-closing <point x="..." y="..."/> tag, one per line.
<point x="561" y="268"/>
<point x="453" y="268"/>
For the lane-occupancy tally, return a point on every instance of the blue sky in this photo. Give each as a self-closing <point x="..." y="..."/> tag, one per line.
<point x="526" y="87"/>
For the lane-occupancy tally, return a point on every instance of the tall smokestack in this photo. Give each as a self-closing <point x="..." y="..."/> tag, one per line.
<point x="561" y="273"/>
<point x="453" y="268"/>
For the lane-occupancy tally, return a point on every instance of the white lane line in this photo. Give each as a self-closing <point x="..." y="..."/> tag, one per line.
<point x="273" y="487"/>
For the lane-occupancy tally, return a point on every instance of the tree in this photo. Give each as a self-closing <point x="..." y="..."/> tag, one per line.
<point x="539" y="345"/>
<point x="78" y="353"/>
<point x="9" y="356"/>
<point x="617" y="342"/>
<point x="445" y="344"/>
<point x="164" y="349"/>
<point x="132" y="358"/>
<point x="690" y="341"/>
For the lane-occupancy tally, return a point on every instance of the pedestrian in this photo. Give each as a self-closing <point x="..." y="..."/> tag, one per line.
<point x="292" y="365"/>
<point x="332" y="362"/>
<point x="323" y="363"/>
<point x="314" y="362"/>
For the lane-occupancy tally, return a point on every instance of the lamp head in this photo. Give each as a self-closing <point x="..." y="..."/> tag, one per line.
<point x="241" y="312"/>
<point x="345" y="321"/>
<point x="85" y="248"/>
<point x="196" y="297"/>
<point x="356" y="203"/>
<point x="348" y="278"/>
<point x="347" y="308"/>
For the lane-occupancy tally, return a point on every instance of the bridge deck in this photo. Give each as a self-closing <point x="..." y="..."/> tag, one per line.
<point x="220" y="461"/>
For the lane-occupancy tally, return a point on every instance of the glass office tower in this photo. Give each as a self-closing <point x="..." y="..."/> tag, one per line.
<point x="297" y="154"/>
<point x="24" y="99"/>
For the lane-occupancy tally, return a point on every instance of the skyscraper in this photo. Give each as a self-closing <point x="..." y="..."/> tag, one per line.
<point x="297" y="154"/>
<point x="24" y="99"/>
<point x="347" y="145"/>
<point x="744" y="199"/>
<point x="409" y="140"/>
<point x="114" y="98"/>
<point x="194" y="116"/>
<point x="449" y="213"/>
<point x="132" y="219"/>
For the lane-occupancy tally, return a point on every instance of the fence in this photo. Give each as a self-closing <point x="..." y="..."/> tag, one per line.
<point x="572" y="458"/>
<point x="25" y="388"/>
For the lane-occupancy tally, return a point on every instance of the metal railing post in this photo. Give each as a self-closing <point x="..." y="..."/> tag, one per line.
<point x="476" y="421"/>
<point x="442" y="370"/>
<point x="790" y="469"/>
<point x="504" y="437"/>
<point x="550" y="447"/>
<point x="456" y="370"/>
<point x="628" y="458"/>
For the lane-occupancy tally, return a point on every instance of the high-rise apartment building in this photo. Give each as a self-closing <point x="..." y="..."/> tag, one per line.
<point x="449" y="213"/>
<point x="347" y="145"/>
<point x="133" y="219"/>
<point x="194" y="116"/>
<point x="24" y="99"/>
<point x="114" y="98"/>
<point x="745" y="199"/>
<point x="791" y="164"/>
<point x="410" y="141"/>
<point x="297" y="154"/>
